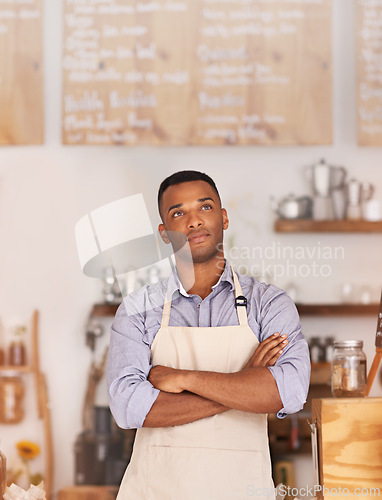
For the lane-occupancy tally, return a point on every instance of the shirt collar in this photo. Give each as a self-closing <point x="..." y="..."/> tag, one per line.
<point x="174" y="284"/>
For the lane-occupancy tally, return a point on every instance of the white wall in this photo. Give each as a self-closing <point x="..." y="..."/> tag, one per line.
<point x="45" y="190"/>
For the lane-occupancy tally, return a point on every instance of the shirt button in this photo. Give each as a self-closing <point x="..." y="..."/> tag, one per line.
<point x="198" y="306"/>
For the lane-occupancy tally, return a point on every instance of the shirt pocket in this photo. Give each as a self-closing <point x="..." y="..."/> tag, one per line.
<point x="176" y="473"/>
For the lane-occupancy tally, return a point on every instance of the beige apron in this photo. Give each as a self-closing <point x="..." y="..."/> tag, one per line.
<point x="223" y="457"/>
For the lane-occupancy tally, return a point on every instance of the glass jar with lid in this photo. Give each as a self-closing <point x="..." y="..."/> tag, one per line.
<point x="348" y="369"/>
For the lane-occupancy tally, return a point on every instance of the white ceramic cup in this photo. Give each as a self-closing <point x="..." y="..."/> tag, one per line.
<point x="372" y="210"/>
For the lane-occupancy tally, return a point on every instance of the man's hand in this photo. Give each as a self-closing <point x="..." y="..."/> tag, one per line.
<point x="268" y="351"/>
<point x="166" y="379"/>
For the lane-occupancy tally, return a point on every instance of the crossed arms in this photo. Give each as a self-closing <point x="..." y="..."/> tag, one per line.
<point x="140" y="396"/>
<point x="188" y="395"/>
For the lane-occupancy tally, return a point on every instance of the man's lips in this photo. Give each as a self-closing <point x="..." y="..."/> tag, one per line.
<point x="197" y="236"/>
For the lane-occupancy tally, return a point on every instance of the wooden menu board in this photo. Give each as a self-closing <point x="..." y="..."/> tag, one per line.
<point x="21" y="72"/>
<point x="209" y="72"/>
<point x="369" y="69"/>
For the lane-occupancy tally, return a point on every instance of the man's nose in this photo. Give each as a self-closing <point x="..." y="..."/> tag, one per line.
<point x="194" y="221"/>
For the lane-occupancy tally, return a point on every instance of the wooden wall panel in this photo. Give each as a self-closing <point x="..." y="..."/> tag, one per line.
<point x="369" y="71"/>
<point x="210" y="72"/>
<point x="21" y="72"/>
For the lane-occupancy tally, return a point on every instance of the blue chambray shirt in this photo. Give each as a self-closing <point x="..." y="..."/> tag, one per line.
<point x="138" y="319"/>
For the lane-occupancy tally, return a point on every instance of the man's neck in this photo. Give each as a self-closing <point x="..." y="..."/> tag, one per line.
<point x="201" y="277"/>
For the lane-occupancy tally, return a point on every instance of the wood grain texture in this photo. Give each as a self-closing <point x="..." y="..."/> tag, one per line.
<point x="369" y="72"/>
<point x="374" y="369"/>
<point x="337" y="309"/>
<point x="43" y="407"/>
<point x="21" y="73"/>
<point x="88" y="493"/>
<point x="350" y="444"/>
<point x="327" y="226"/>
<point x="186" y="72"/>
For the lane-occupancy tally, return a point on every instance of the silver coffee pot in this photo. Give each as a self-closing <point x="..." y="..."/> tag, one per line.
<point x="325" y="179"/>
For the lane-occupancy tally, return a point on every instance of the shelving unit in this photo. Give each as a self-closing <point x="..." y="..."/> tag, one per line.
<point x="326" y="226"/>
<point x="41" y="400"/>
<point x="321" y="372"/>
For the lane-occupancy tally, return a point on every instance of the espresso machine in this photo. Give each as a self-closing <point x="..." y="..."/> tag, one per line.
<point x="328" y="187"/>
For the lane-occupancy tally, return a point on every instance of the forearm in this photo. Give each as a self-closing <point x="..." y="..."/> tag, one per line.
<point x="177" y="409"/>
<point x="252" y="390"/>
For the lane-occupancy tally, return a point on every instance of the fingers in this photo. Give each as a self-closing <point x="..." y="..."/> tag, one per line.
<point x="270" y="343"/>
<point x="273" y="360"/>
<point x="268" y="351"/>
<point x="273" y="355"/>
<point x="271" y="349"/>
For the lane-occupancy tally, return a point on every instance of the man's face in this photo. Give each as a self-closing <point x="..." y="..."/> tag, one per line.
<point x="191" y="212"/>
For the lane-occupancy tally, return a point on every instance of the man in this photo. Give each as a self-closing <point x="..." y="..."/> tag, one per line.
<point x="190" y="374"/>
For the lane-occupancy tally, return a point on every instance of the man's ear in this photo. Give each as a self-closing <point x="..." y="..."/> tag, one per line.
<point x="225" y="218"/>
<point x="163" y="234"/>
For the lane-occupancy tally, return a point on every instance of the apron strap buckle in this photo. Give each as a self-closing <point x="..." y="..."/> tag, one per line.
<point x="240" y="301"/>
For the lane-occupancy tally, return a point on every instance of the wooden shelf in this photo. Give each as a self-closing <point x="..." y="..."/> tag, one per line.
<point x="338" y="309"/>
<point x="104" y="310"/>
<point x="327" y="226"/>
<point x="99" y="310"/>
<point x="16" y="369"/>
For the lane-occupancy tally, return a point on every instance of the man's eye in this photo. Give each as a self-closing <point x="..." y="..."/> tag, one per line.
<point x="207" y="206"/>
<point x="177" y="213"/>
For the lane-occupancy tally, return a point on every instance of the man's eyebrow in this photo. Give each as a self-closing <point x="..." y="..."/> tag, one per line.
<point x="200" y="200"/>
<point x="174" y="206"/>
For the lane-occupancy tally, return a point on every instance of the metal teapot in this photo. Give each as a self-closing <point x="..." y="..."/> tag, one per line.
<point x="292" y="207"/>
<point x="324" y="178"/>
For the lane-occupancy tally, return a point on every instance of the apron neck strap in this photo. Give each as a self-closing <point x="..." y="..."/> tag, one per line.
<point x="241" y="310"/>
<point x="166" y="312"/>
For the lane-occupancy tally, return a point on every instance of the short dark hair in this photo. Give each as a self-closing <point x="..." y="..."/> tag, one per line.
<point x="185" y="176"/>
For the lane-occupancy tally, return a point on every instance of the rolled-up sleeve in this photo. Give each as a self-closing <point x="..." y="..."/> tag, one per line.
<point x="292" y="369"/>
<point x="131" y="395"/>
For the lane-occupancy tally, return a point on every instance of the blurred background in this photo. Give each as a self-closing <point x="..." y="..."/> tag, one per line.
<point x="47" y="186"/>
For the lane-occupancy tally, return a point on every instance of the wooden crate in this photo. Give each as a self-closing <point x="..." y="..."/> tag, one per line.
<point x="349" y="446"/>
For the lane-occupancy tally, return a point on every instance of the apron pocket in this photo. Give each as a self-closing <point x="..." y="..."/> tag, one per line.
<point x="179" y="473"/>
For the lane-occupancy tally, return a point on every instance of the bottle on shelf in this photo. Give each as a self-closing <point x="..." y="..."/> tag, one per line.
<point x="17" y="352"/>
<point x="317" y="350"/>
<point x="329" y="348"/>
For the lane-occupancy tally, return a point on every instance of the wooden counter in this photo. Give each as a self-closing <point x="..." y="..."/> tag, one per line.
<point x="88" y="493"/>
<point x="349" y="446"/>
